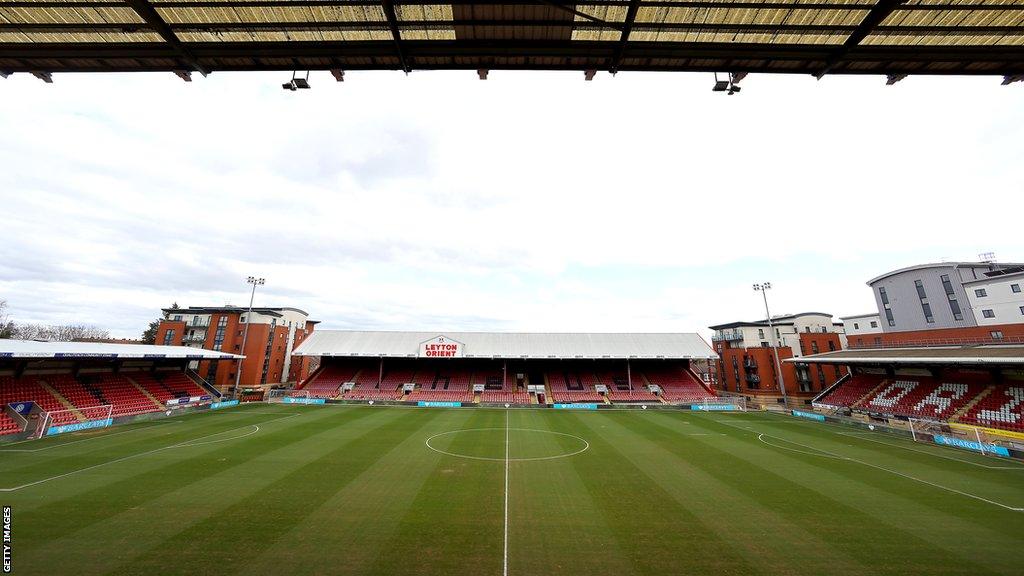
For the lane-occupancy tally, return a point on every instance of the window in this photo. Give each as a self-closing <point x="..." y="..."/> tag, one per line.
<point x="856" y="326"/>
<point x="765" y="344"/>
<point x="980" y="293"/>
<point x="1022" y="309"/>
<point x="988" y="313"/>
<point x="885" y="304"/>
<point x="814" y="347"/>
<point x="168" y="337"/>
<point x="177" y="317"/>
<point x="996" y="334"/>
<point x="831" y="346"/>
<point x="760" y="333"/>
<point x="925" y="306"/>
<point x="1015" y="288"/>
<point x="874" y="324"/>
<point x="954" y="306"/>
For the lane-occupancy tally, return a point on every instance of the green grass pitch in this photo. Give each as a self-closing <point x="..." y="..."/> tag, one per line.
<point x="274" y="489"/>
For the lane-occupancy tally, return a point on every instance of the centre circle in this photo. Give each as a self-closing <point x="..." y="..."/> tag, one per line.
<point x="495" y="439"/>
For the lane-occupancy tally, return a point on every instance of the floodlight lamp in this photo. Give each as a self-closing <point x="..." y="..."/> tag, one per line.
<point x="301" y="83"/>
<point x="720" y="86"/>
<point x="290" y="85"/>
<point x="767" y="285"/>
<point x="733" y="89"/>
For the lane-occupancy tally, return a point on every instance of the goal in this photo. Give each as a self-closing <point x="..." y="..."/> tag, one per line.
<point x="62" y="421"/>
<point x="288" y="396"/>
<point x="721" y="404"/>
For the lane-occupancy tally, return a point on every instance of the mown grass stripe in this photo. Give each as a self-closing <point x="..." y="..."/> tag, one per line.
<point x="262" y="517"/>
<point x="858" y="531"/>
<point x="454" y="524"/>
<point x="80" y="513"/>
<point x="656" y="533"/>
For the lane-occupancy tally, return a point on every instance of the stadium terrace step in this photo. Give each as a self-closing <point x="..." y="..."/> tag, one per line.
<point x="145" y="393"/>
<point x="974" y="402"/>
<point x="1002" y="408"/>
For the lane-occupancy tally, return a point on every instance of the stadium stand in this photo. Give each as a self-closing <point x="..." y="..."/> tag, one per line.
<point x="167" y="386"/>
<point x="569" y="386"/>
<point x="677" y="384"/>
<point x="29" y="389"/>
<point x="450" y="385"/>
<point x="850" y="392"/>
<point x="922" y="398"/>
<point x="1002" y="408"/>
<point x="8" y="425"/>
<point x="327" y="382"/>
<point x="619" y="389"/>
<point x="367" y="389"/>
<point x="119" y="392"/>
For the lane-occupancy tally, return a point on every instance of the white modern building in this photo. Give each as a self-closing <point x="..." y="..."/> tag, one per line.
<point x="997" y="299"/>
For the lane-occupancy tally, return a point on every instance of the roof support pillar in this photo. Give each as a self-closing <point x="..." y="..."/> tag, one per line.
<point x="44" y="76"/>
<point x="1011" y="78"/>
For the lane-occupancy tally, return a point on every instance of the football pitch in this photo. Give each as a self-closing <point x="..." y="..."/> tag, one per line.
<point x="275" y="489"/>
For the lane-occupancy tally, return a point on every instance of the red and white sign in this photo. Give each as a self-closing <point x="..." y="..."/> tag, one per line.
<point x="441" y="347"/>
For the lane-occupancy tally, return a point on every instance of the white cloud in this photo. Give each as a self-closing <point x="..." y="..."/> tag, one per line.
<point x="530" y="201"/>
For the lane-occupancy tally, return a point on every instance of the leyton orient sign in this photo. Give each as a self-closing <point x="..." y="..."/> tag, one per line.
<point x="441" y="347"/>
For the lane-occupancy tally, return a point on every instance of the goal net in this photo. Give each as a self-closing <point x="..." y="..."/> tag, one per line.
<point x="721" y="404"/>
<point x="62" y="421"/>
<point x="288" y="396"/>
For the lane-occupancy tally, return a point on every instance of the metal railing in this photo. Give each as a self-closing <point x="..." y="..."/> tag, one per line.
<point x="929" y="342"/>
<point x="727" y="336"/>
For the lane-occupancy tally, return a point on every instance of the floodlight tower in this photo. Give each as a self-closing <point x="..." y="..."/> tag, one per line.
<point x="763" y="288"/>
<point x="245" y="332"/>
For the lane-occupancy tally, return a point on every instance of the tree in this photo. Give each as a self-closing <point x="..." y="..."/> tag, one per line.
<point x="57" y="333"/>
<point x="6" y="326"/>
<point x="149" y="336"/>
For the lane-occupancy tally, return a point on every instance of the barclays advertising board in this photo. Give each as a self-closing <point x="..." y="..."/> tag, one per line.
<point x="291" y="400"/>
<point x="53" y="430"/>
<point x="439" y="404"/>
<point x="971" y="445"/>
<point x="225" y="404"/>
<point x="808" y="415"/>
<point x="578" y="406"/>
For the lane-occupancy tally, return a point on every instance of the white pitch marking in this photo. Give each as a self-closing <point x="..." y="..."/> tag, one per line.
<point x="86" y="439"/>
<point x="505" y="571"/>
<point x="862" y="436"/>
<point x="827" y="454"/>
<point x="94" y="466"/>
<point x="586" y="445"/>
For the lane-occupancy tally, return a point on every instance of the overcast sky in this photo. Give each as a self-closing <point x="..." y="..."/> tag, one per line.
<point x="531" y="201"/>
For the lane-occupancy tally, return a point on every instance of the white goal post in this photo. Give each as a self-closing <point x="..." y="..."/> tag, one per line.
<point x="280" y="395"/>
<point x="62" y="421"/>
<point x="727" y="403"/>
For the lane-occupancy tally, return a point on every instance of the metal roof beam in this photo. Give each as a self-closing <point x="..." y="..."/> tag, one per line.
<point x="768" y="5"/>
<point x="627" y="28"/>
<point x="151" y="17"/>
<point x="808" y="29"/>
<point x="389" y="12"/>
<point x="876" y="16"/>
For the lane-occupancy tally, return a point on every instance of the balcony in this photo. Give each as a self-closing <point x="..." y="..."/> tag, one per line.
<point x="753" y="379"/>
<point x="203" y="323"/>
<point x="194" y="339"/>
<point x="725" y="336"/>
<point x="749" y="364"/>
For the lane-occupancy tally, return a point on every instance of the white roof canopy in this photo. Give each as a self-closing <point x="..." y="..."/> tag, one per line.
<point x="553" y="346"/>
<point x="36" y="349"/>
